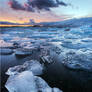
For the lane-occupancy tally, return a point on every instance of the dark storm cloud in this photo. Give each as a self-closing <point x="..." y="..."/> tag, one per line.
<point x="32" y="5"/>
<point x="15" y="5"/>
<point x="45" y="4"/>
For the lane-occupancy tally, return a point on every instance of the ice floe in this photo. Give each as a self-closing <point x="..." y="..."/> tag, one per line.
<point x="23" y="52"/>
<point x="77" y="60"/>
<point x="6" y="51"/>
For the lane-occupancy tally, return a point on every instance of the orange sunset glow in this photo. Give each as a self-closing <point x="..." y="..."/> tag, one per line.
<point x="3" y="25"/>
<point x="20" y="16"/>
<point x="25" y="19"/>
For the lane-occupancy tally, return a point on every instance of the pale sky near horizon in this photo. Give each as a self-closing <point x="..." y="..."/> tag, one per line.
<point x="74" y="9"/>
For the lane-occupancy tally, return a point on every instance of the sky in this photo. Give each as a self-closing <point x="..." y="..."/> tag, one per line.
<point x="22" y="11"/>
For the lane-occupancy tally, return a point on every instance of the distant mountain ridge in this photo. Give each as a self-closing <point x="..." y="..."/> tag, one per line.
<point x="71" y="22"/>
<point x="8" y="23"/>
<point x="67" y="23"/>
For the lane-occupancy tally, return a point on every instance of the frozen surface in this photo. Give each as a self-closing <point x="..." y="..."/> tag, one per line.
<point x="31" y="65"/>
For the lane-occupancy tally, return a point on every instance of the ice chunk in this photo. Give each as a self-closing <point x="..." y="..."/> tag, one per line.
<point x="27" y="82"/>
<point x="23" y="52"/>
<point x="15" y="70"/>
<point x="49" y="53"/>
<point x="23" y="82"/>
<point x="16" y="45"/>
<point x="31" y="65"/>
<point x="56" y="90"/>
<point x="86" y="40"/>
<point x="5" y="44"/>
<point x="34" y="66"/>
<point x="46" y="59"/>
<point x="28" y="49"/>
<point x="74" y="46"/>
<point x="77" y="60"/>
<point x="42" y="86"/>
<point x="5" y="51"/>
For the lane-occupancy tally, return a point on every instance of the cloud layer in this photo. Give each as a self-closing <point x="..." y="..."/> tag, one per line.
<point x="15" y="5"/>
<point x="36" y="5"/>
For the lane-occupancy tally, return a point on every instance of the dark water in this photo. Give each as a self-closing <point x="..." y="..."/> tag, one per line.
<point x="59" y="76"/>
<point x="56" y="74"/>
